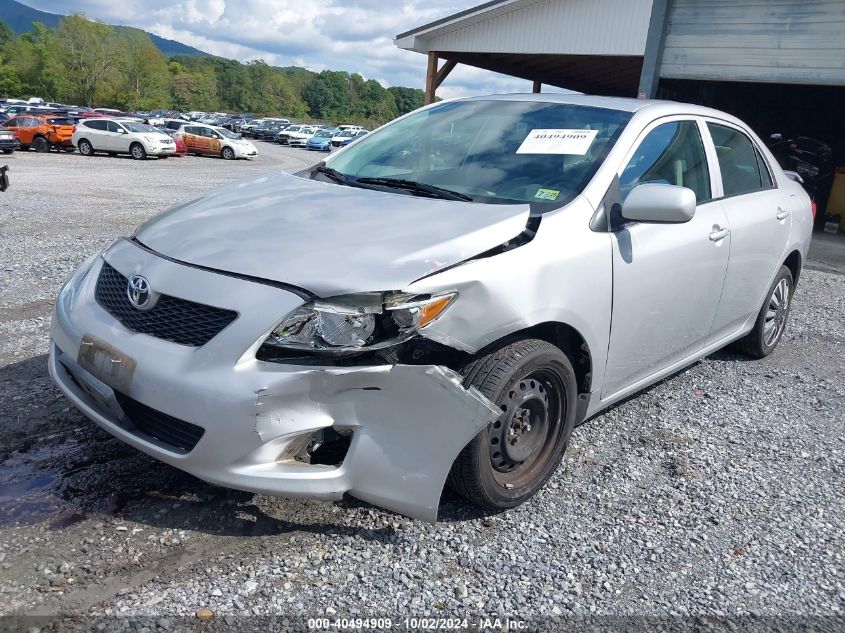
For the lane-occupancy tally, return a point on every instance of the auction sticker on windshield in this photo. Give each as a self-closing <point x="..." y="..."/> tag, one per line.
<point x="573" y="142"/>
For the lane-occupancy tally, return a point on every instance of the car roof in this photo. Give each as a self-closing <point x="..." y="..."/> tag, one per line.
<point x="654" y="107"/>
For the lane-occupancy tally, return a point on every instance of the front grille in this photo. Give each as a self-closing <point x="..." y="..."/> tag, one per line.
<point x="171" y="319"/>
<point x="180" y="435"/>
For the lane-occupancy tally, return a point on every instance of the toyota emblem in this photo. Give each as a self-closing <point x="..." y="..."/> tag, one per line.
<point x="138" y="291"/>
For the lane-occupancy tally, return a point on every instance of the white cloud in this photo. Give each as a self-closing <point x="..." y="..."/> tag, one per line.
<point x="351" y="35"/>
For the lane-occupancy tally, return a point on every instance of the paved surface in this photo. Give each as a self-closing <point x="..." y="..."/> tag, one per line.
<point x="718" y="492"/>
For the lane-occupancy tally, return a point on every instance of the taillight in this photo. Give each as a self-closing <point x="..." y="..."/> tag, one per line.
<point x="813" y="209"/>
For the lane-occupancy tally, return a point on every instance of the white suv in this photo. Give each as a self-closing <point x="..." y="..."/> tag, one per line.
<point x="121" y="136"/>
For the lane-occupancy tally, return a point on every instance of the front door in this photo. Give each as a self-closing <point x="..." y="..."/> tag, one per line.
<point x="193" y="140"/>
<point x="760" y="219"/>
<point x="116" y="137"/>
<point x="667" y="278"/>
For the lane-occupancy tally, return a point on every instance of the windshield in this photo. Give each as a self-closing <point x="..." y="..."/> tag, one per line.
<point x="226" y="133"/>
<point x="494" y="151"/>
<point x="139" y="127"/>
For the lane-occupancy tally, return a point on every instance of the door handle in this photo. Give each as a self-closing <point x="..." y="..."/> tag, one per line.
<point x="782" y="215"/>
<point x="718" y="233"/>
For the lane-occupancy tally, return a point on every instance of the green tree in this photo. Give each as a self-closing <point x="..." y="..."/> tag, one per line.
<point x="6" y="33"/>
<point x="407" y="99"/>
<point x="145" y="80"/>
<point x="10" y="83"/>
<point x="90" y="53"/>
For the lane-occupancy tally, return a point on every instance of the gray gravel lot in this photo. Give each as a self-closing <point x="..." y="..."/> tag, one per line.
<point x="717" y="492"/>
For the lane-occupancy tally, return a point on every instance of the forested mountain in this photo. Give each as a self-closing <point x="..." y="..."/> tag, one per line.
<point x="83" y="62"/>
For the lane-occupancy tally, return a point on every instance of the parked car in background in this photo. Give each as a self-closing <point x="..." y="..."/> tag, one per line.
<point x="211" y="141"/>
<point x="566" y="253"/>
<point x="122" y="136"/>
<point x="283" y="135"/>
<point x="322" y="140"/>
<point x="8" y="140"/>
<point x="301" y="136"/>
<point x="42" y="133"/>
<point x="347" y="136"/>
<point x="257" y="127"/>
<point x="268" y="132"/>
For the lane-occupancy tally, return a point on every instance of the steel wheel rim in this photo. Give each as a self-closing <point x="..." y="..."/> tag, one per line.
<point x="776" y="311"/>
<point x="136" y="152"/>
<point x="524" y="438"/>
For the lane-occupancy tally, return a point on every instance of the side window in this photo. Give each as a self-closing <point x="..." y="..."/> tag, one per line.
<point x="739" y="161"/>
<point x="765" y="175"/>
<point x="671" y="154"/>
<point x="100" y="126"/>
<point x="11" y="123"/>
<point x="111" y="126"/>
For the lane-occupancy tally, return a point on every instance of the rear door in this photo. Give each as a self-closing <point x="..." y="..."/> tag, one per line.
<point x="759" y="219"/>
<point x="667" y="278"/>
<point x="95" y="132"/>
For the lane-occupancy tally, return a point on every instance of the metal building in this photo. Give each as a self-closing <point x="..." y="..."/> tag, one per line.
<point x="623" y="47"/>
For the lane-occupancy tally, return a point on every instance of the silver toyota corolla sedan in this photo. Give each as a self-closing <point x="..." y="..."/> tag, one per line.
<point x="441" y="301"/>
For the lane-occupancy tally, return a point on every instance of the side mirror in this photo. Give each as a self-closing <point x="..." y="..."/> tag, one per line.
<point x="659" y="203"/>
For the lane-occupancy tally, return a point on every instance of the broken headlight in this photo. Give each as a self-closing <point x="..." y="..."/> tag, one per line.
<point x="361" y="322"/>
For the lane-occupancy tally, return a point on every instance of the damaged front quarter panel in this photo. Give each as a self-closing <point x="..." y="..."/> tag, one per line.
<point x="409" y="422"/>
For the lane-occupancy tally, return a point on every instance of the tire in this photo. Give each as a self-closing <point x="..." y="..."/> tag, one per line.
<point x="85" y="147"/>
<point x="137" y="151"/>
<point x="228" y="153"/>
<point x="40" y="144"/>
<point x="506" y="464"/>
<point x="771" y="320"/>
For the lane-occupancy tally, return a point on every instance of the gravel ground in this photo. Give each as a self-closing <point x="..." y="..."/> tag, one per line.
<point x="717" y="493"/>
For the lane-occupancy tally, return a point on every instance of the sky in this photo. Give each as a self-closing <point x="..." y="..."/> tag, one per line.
<point x="351" y="35"/>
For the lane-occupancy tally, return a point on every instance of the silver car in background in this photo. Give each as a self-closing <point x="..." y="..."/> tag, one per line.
<point x="445" y="299"/>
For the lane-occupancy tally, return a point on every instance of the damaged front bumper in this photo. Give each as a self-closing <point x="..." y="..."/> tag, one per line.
<point x="407" y="422"/>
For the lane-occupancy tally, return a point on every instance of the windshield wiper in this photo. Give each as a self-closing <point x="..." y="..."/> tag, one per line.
<point x="419" y="187"/>
<point x="335" y="175"/>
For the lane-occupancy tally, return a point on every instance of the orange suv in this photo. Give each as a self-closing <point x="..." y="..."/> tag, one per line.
<point x="43" y="132"/>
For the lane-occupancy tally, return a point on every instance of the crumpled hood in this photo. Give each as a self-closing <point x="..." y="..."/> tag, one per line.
<point x="326" y="238"/>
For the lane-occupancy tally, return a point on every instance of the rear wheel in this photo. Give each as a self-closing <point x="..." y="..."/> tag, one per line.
<point x="138" y="152"/>
<point x="534" y="385"/>
<point x="771" y="320"/>
<point x="40" y="144"/>
<point x="228" y="153"/>
<point x="85" y="147"/>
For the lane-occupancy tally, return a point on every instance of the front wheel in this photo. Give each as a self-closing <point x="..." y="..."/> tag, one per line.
<point x="771" y="320"/>
<point x="138" y="152"/>
<point x="534" y="385"/>
<point x="228" y="153"/>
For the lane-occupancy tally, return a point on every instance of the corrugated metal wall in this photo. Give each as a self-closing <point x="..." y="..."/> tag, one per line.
<point x="789" y="41"/>
<point x="565" y="27"/>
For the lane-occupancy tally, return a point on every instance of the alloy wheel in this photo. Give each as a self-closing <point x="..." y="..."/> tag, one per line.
<point x="775" y="318"/>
